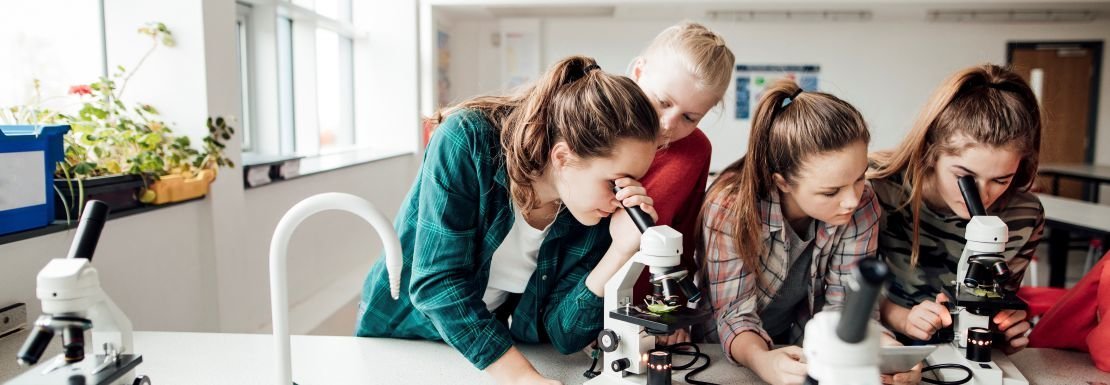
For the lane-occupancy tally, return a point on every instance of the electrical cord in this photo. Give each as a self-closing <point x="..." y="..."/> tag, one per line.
<point x="932" y="368"/>
<point x="677" y="350"/>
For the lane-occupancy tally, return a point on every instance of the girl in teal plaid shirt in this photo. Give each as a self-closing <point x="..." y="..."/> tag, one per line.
<point x="506" y="232"/>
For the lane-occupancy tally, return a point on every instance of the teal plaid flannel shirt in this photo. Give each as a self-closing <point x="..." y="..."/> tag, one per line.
<point x="454" y="217"/>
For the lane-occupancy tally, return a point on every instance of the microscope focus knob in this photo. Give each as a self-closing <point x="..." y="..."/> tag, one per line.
<point x="620" y="365"/>
<point x="608" y="340"/>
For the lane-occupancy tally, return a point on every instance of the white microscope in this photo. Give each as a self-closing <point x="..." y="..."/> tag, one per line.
<point x="980" y="295"/>
<point x="842" y="348"/>
<point x="628" y="338"/>
<point x="73" y="302"/>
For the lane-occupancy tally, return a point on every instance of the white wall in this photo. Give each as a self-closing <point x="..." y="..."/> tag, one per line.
<point x="887" y="69"/>
<point x="203" y="266"/>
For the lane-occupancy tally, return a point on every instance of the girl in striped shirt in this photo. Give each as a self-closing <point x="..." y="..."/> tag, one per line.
<point x="984" y="122"/>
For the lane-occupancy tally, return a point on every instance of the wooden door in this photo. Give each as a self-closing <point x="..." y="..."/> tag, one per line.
<point x="1062" y="76"/>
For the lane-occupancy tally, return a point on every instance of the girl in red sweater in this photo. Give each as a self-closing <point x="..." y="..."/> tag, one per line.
<point x="685" y="72"/>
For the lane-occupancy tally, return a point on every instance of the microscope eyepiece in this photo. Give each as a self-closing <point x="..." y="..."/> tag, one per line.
<point x="642" y="220"/>
<point x="971" y="196"/>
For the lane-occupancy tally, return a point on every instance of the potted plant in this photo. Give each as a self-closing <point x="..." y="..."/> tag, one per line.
<point x="122" y="155"/>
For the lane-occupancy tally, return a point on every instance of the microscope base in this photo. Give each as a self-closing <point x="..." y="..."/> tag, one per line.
<point x="1000" y="371"/>
<point x="608" y="379"/>
<point x="80" y="373"/>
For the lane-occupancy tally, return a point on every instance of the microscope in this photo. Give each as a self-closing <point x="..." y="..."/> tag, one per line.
<point x="980" y="294"/>
<point x="628" y="339"/>
<point x="842" y="348"/>
<point x="73" y="303"/>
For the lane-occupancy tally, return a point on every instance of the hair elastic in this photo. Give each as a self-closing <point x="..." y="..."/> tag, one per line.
<point x="787" y="101"/>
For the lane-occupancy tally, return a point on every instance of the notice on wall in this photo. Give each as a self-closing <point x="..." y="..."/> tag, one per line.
<point x="751" y="80"/>
<point x="520" y="51"/>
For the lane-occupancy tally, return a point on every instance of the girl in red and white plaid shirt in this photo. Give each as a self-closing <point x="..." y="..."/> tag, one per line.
<point x="783" y="226"/>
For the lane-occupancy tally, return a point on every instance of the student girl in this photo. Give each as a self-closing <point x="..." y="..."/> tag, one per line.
<point x="499" y="230"/>
<point x="685" y="72"/>
<point x="783" y="226"/>
<point x="984" y="122"/>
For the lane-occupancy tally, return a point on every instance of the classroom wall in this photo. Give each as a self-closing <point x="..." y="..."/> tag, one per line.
<point x="886" y="68"/>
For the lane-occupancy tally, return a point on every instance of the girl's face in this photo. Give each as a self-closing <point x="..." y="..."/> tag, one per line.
<point x="585" y="185"/>
<point x="828" y="186"/>
<point x="674" y="92"/>
<point x="993" y="169"/>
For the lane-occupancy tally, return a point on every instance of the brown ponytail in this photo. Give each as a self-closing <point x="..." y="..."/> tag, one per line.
<point x="988" y="104"/>
<point x="788" y="126"/>
<point x="573" y="102"/>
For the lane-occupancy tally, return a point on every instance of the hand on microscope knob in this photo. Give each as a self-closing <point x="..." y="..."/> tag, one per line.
<point x="926" y="318"/>
<point x="678" y="337"/>
<point x="626" y="237"/>
<point x="1013" y="325"/>
<point x="782" y="366"/>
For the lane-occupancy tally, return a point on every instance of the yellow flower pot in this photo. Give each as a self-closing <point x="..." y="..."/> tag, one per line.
<point x="177" y="187"/>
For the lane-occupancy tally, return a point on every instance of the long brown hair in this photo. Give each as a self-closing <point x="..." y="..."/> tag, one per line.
<point x="573" y="102"/>
<point x="988" y="104"/>
<point x="783" y="135"/>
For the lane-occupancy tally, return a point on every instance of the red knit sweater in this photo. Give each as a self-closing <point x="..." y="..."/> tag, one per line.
<point x="676" y="182"/>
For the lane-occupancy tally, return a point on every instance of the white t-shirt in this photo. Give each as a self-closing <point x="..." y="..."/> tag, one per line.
<point x="514" y="261"/>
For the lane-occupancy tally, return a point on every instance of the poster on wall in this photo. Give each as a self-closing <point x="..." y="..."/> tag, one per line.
<point x="520" y="51"/>
<point x="751" y="80"/>
<point x="443" y="79"/>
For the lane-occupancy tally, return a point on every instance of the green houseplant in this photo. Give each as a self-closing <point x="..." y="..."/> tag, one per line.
<point x="128" y="153"/>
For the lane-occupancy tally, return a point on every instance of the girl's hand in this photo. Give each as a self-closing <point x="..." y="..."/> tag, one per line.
<point x="926" y="318"/>
<point x="1012" y="323"/>
<point x="782" y="366"/>
<point x="626" y="237"/>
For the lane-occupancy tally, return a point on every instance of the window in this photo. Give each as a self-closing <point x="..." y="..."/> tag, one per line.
<point x="307" y="48"/>
<point x="42" y="44"/>
<point x="307" y="65"/>
<point x="243" y="45"/>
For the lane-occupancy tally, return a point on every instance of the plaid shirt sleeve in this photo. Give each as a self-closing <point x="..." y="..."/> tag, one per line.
<point x="445" y="257"/>
<point x="732" y="286"/>
<point x="573" y="320"/>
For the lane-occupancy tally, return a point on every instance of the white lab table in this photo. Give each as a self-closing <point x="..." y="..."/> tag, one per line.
<point x="1063" y="217"/>
<point x="214" y="358"/>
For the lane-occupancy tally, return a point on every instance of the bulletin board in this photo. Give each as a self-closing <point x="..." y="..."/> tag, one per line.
<point x="751" y="80"/>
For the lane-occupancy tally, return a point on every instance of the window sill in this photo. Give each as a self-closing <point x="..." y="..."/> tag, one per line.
<point x="61" y="225"/>
<point x="318" y="164"/>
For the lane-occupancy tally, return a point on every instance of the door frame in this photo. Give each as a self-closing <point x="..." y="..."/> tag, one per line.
<point x="1096" y="48"/>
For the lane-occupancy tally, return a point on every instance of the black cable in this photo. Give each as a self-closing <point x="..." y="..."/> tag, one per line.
<point x="677" y="350"/>
<point x="932" y="368"/>
<point x="592" y="372"/>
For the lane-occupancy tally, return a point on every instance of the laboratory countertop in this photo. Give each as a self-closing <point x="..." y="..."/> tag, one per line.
<point x="218" y="358"/>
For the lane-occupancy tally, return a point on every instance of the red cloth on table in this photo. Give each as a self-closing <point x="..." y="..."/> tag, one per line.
<point x="676" y="183"/>
<point x="1079" y="321"/>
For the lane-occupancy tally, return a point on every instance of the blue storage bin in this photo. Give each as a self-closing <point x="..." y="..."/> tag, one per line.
<point x="28" y="157"/>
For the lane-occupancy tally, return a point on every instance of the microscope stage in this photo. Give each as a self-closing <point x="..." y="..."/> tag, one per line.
<point x="991" y="304"/>
<point x="661" y="323"/>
